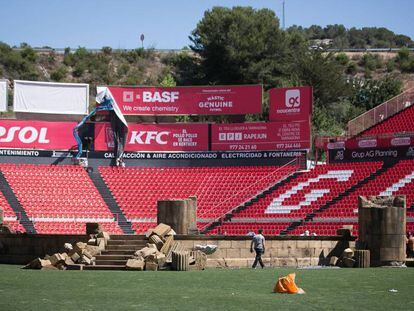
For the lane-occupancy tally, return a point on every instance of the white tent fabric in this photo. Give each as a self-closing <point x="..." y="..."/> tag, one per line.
<point x="3" y="96"/>
<point x="104" y="91"/>
<point x="51" y="97"/>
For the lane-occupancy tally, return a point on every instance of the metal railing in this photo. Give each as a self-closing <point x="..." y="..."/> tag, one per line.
<point x="381" y="112"/>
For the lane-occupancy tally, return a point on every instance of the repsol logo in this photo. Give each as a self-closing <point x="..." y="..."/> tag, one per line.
<point x="26" y="135"/>
<point x="148" y="137"/>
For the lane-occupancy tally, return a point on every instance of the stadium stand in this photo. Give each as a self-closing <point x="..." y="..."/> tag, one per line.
<point x="218" y="189"/>
<point x="304" y="194"/>
<point x="232" y="199"/>
<point x="396" y="180"/>
<point x="58" y="198"/>
<point x="376" y="119"/>
<point x="402" y="122"/>
<point x="242" y="228"/>
<point x="9" y="215"/>
<point x="323" y="228"/>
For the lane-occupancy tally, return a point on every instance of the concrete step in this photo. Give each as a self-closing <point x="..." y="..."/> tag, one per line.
<point x="110" y="262"/>
<point x="104" y="267"/>
<point x="128" y="237"/>
<point x="118" y="252"/>
<point x="112" y="257"/>
<point x="123" y="247"/>
<point x="127" y="242"/>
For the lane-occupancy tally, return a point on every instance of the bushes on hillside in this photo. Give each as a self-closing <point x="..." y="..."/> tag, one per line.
<point x="405" y="60"/>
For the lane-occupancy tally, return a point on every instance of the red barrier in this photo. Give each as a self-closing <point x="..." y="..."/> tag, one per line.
<point x="156" y="137"/>
<point x="378" y="142"/>
<point x="290" y="104"/>
<point x="37" y="135"/>
<point x="261" y="136"/>
<point x="188" y="100"/>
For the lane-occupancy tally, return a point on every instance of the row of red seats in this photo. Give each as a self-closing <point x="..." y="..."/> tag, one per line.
<point x="309" y="191"/>
<point x="10" y="218"/>
<point x="398" y="123"/>
<point x="348" y="206"/>
<point x="50" y="227"/>
<point x="323" y="228"/>
<point x="217" y="189"/>
<point x="231" y="228"/>
<point x="61" y="191"/>
<point x="142" y="227"/>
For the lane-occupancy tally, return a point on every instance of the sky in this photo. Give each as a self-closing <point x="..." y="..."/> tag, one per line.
<point x="167" y="24"/>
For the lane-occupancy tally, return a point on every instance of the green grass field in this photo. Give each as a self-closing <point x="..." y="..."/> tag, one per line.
<point x="244" y="289"/>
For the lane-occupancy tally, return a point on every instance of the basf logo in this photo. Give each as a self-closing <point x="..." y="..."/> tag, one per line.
<point x="151" y="97"/>
<point x="292" y="98"/>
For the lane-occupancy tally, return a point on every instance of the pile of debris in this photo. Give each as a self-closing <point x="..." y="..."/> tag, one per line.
<point x="351" y="259"/>
<point x="347" y="257"/>
<point x="76" y="255"/>
<point x="163" y="253"/>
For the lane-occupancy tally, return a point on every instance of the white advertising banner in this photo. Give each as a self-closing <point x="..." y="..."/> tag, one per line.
<point x="3" y="96"/>
<point x="51" y="97"/>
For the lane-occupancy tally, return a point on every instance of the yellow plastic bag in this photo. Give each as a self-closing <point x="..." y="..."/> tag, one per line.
<point x="287" y="285"/>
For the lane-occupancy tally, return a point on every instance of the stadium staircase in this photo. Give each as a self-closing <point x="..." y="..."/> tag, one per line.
<point x="99" y="183"/>
<point x="120" y="248"/>
<point x="296" y="225"/>
<point x="228" y="216"/>
<point x="16" y="206"/>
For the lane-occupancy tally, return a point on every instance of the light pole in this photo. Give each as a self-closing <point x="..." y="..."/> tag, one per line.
<point x="142" y="37"/>
<point x="283" y="15"/>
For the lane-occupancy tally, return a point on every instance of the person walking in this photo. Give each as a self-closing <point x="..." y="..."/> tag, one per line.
<point x="258" y="244"/>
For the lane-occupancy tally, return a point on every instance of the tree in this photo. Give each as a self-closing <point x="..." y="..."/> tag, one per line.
<point x="324" y="73"/>
<point x="187" y="69"/>
<point x="240" y="45"/>
<point x="59" y="74"/>
<point x="168" y="80"/>
<point x="355" y="38"/>
<point x="370" y="93"/>
<point x="19" y="65"/>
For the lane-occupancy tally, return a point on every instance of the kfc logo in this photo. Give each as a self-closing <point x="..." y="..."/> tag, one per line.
<point x="26" y="135"/>
<point x="292" y="99"/>
<point x="147" y="137"/>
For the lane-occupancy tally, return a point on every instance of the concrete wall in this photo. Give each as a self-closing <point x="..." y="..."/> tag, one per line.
<point x="22" y="248"/>
<point x="280" y="251"/>
<point x="233" y="251"/>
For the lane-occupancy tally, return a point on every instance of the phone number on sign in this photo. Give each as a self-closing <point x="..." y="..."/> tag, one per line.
<point x="243" y="147"/>
<point x="288" y="146"/>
